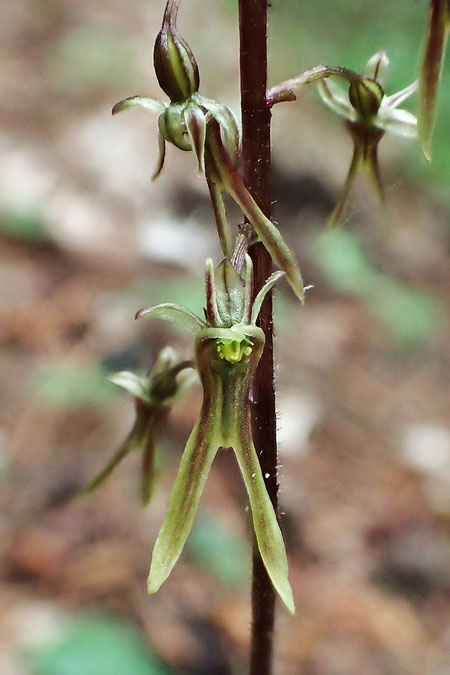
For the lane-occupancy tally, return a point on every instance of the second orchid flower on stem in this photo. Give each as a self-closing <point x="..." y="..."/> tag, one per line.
<point x="228" y="348"/>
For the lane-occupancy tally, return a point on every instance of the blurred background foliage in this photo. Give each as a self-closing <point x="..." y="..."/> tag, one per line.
<point x="86" y="239"/>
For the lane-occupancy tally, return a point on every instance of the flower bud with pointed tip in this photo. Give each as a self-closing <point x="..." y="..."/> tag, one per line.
<point x="174" y="62"/>
<point x="366" y="97"/>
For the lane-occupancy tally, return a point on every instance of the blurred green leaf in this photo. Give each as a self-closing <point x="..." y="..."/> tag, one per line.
<point x="96" y="646"/>
<point x="23" y="225"/>
<point x="410" y="315"/>
<point x="225" y="555"/>
<point x="344" y="264"/>
<point x="87" y="56"/>
<point x="64" y="385"/>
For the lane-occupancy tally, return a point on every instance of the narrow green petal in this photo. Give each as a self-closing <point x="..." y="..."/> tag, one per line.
<point x="227" y="122"/>
<point x="398" y="122"/>
<point x="150" y="104"/>
<point x="371" y="165"/>
<point x="195" y="464"/>
<point x="175" y="313"/>
<point x="148" y="468"/>
<point x="161" y="156"/>
<point x="270" y="236"/>
<point x="395" y="99"/>
<point x="340" y="208"/>
<point x="376" y="67"/>
<point x="132" y="383"/>
<point x="262" y="294"/>
<point x="337" y="100"/>
<point x="212" y="312"/>
<point x="196" y="128"/>
<point x="431" y="71"/>
<point x="267" y="531"/>
<point x="248" y="288"/>
<point x="267" y="232"/>
<point x="230" y="294"/>
<point x="222" y="224"/>
<point x="132" y="442"/>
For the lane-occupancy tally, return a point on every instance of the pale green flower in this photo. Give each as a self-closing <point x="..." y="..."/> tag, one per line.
<point x="368" y="112"/>
<point x="154" y="395"/>
<point x="228" y="347"/>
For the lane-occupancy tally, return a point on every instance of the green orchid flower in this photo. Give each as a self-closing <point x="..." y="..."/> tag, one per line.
<point x="193" y="122"/>
<point x="368" y="111"/>
<point x="438" y="30"/>
<point x="228" y="348"/>
<point x="154" y="395"/>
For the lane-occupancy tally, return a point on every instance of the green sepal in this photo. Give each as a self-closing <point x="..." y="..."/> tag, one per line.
<point x="222" y="224"/>
<point x="376" y="67"/>
<point x="140" y="438"/>
<point x="230" y="294"/>
<point x="161" y="154"/>
<point x="268" y="534"/>
<point x="249" y="284"/>
<point x="196" y="129"/>
<point x="136" y="385"/>
<point x="257" y="304"/>
<point x="150" y="104"/>
<point x="175" y="313"/>
<point x="196" y="461"/>
<point x="227" y="122"/>
<point x="224" y="174"/>
<point x="131" y="443"/>
<point x="212" y="313"/>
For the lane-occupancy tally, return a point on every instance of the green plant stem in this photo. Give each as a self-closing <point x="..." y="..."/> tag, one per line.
<point x="256" y="174"/>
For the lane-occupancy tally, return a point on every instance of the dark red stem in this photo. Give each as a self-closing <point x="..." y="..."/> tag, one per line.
<point x="256" y="174"/>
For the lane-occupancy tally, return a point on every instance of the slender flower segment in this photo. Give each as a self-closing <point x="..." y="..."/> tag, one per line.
<point x="174" y="62"/>
<point x="369" y="113"/>
<point x="438" y="29"/>
<point x="222" y="173"/>
<point x="228" y="348"/>
<point x="154" y="395"/>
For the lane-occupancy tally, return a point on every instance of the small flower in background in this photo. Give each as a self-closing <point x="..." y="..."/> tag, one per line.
<point x="228" y="348"/>
<point x="431" y="70"/>
<point x="154" y="395"/>
<point x="368" y="111"/>
<point x="369" y="114"/>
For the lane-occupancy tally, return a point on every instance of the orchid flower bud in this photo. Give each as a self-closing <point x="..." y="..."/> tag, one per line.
<point x="366" y="97"/>
<point x="174" y="62"/>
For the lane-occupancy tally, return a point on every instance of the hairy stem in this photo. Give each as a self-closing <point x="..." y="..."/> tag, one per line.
<point x="256" y="174"/>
